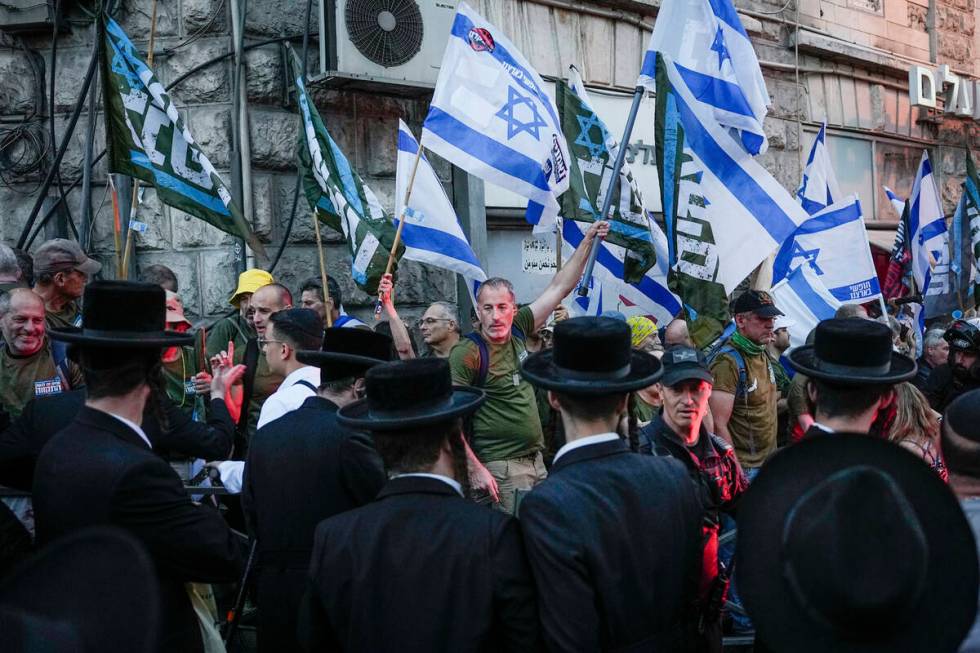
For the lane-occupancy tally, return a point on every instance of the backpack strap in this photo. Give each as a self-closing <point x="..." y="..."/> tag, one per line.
<point x="736" y="355"/>
<point x="59" y="355"/>
<point x="307" y="384"/>
<point x="484" y="351"/>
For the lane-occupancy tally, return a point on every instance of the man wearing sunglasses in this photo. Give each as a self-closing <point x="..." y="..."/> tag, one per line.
<point x="62" y="271"/>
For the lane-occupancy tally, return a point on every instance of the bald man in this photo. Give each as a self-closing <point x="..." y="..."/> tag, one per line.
<point x="676" y="334"/>
<point x="29" y="365"/>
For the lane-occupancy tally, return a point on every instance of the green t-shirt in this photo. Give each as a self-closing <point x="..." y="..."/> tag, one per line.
<point x="177" y="377"/>
<point x="507" y="425"/>
<point x="21" y="379"/>
<point x="753" y="422"/>
<point x="234" y="328"/>
<point x="68" y="316"/>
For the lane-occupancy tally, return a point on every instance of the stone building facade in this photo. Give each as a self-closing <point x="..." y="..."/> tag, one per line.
<point x="843" y="61"/>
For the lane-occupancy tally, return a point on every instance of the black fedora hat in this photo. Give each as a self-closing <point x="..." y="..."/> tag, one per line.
<point x="852" y="351"/>
<point x="71" y="596"/>
<point x="347" y="352"/>
<point x="592" y="355"/>
<point x="123" y="314"/>
<point x="850" y="543"/>
<point x="411" y="393"/>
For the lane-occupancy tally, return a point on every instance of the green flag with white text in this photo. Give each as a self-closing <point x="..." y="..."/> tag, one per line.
<point x="340" y="197"/>
<point x="693" y="274"/>
<point x="147" y="139"/>
<point x="593" y="151"/>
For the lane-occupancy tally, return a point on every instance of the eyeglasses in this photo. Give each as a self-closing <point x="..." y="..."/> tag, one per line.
<point x="263" y="342"/>
<point x="429" y="321"/>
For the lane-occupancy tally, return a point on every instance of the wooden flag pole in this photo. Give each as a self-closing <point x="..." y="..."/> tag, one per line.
<point x="116" y="226"/>
<point x="401" y="224"/>
<point x="134" y="204"/>
<point x="558" y="244"/>
<point x="323" y="269"/>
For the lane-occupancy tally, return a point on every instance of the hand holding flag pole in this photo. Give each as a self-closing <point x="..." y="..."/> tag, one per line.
<point x="401" y="225"/>
<point x="583" y="289"/>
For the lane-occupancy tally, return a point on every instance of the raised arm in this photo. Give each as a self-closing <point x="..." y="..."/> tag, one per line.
<point x="399" y="334"/>
<point x="565" y="279"/>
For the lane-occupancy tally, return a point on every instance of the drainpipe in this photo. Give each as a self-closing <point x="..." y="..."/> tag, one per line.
<point x="242" y="151"/>
<point x="931" y="28"/>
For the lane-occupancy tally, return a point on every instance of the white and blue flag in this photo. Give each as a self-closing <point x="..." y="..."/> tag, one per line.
<point x="819" y="188"/>
<point x="897" y="202"/>
<point x="432" y="233"/>
<point x="927" y="226"/>
<point x="804" y="299"/>
<point x="609" y="292"/>
<point x="834" y="244"/>
<point x="491" y="116"/>
<point x="709" y="54"/>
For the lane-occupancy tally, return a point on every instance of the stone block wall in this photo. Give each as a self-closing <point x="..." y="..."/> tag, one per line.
<point x="189" y="33"/>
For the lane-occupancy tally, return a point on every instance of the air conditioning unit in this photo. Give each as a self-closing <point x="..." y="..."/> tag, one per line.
<point x="384" y="44"/>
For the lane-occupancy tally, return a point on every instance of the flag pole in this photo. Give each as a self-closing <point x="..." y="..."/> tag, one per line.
<point x="323" y="268"/>
<point x="583" y="289"/>
<point x="558" y="244"/>
<point x="116" y="226"/>
<point x="134" y="204"/>
<point x="401" y="224"/>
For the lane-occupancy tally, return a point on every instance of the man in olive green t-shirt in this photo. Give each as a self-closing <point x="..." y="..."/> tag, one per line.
<point x="62" y="270"/>
<point x="743" y="404"/>
<point x="27" y="367"/>
<point x="506" y="438"/>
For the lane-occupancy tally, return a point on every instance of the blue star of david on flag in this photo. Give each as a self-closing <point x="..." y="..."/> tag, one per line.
<point x="586" y="123"/>
<point x="808" y="255"/>
<point x="719" y="46"/>
<point x="514" y="124"/>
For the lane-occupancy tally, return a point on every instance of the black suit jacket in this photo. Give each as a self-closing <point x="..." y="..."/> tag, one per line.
<point x="420" y="569"/>
<point x="99" y="471"/>
<point x="23" y="440"/>
<point x="614" y="540"/>
<point x="301" y="469"/>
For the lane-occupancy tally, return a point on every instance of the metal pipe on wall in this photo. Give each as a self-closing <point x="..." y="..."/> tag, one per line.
<point x="242" y="159"/>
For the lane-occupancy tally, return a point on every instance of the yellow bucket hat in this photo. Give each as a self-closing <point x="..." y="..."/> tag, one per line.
<point x="640" y="328"/>
<point x="248" y="282"/>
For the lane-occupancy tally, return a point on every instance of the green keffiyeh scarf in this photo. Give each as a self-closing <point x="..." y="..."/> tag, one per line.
<point x="745" y="345"/>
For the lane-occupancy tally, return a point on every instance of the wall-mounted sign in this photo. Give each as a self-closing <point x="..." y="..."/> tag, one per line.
<point x="538" y="257"/>
<point x="962" y="95"/>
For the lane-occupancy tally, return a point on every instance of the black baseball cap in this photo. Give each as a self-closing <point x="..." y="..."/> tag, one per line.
<point x="682" y="363"/>
<point x="756" y="301"/>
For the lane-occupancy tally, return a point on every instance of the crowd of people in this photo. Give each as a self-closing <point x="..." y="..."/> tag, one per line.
<point x="523" y="480"/>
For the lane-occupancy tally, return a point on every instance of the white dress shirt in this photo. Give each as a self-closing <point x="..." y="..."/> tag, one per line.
<point x="290" y="395"/>
<point x="132" y="425"/>
<point x="439" y="477"/>
<point x="581" y="442"/>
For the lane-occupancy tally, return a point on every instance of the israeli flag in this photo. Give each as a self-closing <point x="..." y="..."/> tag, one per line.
<point x="710" y="55"/>
<point x="897" y="202"/>
<point x="490" y="115"/>
<point x="819" y="188"/>
<point x="835" y="244"/>
<point x="609" y="292"/>
<point x="432" y="233"/>
<point x="803" y="298"/>
<point x="927" y="227"/>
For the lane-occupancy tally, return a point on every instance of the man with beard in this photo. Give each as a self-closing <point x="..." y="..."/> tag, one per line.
<point x="101" y="470"/>
<point x="62" y="270"/>
<point x="421" y="568"/>
<point x="962" y="373"/>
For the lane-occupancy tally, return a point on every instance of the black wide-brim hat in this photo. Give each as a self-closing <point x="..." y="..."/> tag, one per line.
<point x="347" y="352"/>
<point x="74" y="588"/>
<point x="592" y="356"/>
<point x="123" y="314"/>
<point x="852" y="351"/>
<point x="406" y="394"/>
<point x="936" y="562"/>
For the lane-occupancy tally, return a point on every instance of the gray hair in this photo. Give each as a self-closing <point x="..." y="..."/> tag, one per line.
<point x="449" y="311"/>
<point x="497" y="283"/>
<point x="8" y="263"/>
<point x="932" y="338"/>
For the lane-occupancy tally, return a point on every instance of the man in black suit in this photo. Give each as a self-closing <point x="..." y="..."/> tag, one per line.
<point x="613" y="537"/>
<point x="851" y="370"/>
<point x="179" y="436"/>
<point x="421" y="568"/>
<point x="101" y="468"/>
<point x="303" y="468"/>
